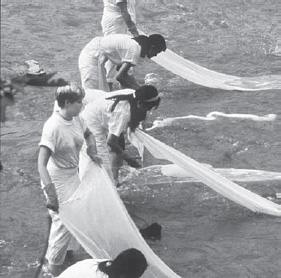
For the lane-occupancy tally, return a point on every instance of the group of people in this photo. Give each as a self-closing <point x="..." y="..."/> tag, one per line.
<point x="99" y="129"/>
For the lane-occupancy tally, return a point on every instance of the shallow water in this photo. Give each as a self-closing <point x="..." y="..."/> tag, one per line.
<point x="204" y="235"/>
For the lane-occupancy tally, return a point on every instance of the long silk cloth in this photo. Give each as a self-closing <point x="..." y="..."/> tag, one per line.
<point x="220" y="184"/>
<point x="208" y="78"/>
<point x="98" y="219"/>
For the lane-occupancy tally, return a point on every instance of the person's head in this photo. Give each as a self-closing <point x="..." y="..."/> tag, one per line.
<point x="130" y="263"/>
<point x="70" y="97"/>
<point x="147" y="97"/>
<point x="156" y="44"/>
<point x="151" y="45"/>
<point x="141" y="101"/>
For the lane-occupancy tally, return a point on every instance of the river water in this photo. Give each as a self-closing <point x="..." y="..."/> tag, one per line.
<point x="203" y="235"/>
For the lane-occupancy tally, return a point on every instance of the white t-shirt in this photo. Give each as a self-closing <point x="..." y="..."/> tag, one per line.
<point x="110" y="6"/>
<point x="84" y="269"/>
<point x="119" y="48"/>
<point x="64" y="139"/>
<point x="98" y="114"/>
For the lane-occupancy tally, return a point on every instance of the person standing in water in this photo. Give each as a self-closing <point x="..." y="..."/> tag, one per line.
<point x="109" y="116"/>
<point x="62" y="138"/>
<point x="123" y="51"/>
<point x="119" y="17"/>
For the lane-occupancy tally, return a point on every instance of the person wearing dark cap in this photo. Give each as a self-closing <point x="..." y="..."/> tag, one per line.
<point x="130" y="263"/>
<point x="123" y="51"/>
<point x="107" y="117"/>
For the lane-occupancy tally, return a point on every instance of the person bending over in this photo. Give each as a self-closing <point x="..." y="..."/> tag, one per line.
<point x="123" y="51"/>
<point x="109" y="116"/>
<point x="119" y="17"/>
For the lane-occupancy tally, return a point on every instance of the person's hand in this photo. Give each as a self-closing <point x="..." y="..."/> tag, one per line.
<point x="96" y="159"/>
<point x="92" y="153"/>
<point x="132" y="162"/>
<point x="52" y="198"/>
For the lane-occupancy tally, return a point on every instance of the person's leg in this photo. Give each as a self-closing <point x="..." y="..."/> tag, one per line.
<point x="117" y="161"/>
<point x="58" y="244"/>
<point x="88" y="67"/>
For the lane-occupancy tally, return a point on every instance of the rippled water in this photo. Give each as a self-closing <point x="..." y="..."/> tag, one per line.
<point x="204" y="235"/>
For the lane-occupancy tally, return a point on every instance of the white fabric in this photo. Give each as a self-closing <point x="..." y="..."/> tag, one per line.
<point x="98" y="219"/>
<point x="60" y="240"/>
<point x="96" y="216"/>
<point x="84" y="269"/>
<point x="208" y="78"/>
<point x="207" y="176"/>
<point x="211" y="117"/>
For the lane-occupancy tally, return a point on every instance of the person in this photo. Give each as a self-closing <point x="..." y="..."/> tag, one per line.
<point x="119" y="17"/>
<point x="107" y="117"/>
<point x="62" y="138"/>
<point x="123" y="51"/>
<point x="130" y="263"/>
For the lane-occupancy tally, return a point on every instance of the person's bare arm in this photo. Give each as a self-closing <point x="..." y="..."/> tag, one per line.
<point x="127" y="18"/>
<point x="91" y="146"/>
<point x="43" y="158"/>
<point x="126" y="80"/>
<point x="49" y="187"/>
<point x="112" y="142"/>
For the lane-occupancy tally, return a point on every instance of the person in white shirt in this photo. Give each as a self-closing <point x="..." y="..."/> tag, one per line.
<point x="123" y="51"/>
<point x="62" y="138"/>
<point x="107" y="117"/>
<point x="130" y="263"/>
<point x="119" y="17"/>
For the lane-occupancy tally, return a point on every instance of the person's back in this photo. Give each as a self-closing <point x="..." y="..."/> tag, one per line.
<point x="85" y="269"/>
<point x="129" y="263"/>
<point x="116" y="47"/>
<point x="98" y="112"/>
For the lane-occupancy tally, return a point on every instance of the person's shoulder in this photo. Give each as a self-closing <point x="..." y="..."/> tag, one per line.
<point x="52" y="120"/>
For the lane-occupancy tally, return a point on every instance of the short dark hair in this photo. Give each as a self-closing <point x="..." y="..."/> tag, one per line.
<point x="130" y="262"/>
<point x="71" y="92"/>
<point x="158" y="41"/>
<point x="148" y="94"/>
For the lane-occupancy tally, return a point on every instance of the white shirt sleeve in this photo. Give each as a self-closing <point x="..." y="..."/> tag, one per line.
<point x="48" y="138"/>
<point x="119" y="119"/>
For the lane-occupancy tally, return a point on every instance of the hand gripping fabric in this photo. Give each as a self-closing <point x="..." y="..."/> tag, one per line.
<point x="98" y="219"/>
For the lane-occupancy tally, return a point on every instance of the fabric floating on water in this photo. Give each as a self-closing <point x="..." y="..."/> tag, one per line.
<point x="208" y="78"/>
